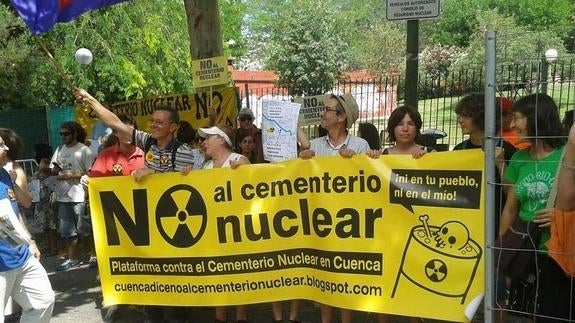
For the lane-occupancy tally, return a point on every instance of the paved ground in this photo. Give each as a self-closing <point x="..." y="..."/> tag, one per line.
<point x="78" y="300"/>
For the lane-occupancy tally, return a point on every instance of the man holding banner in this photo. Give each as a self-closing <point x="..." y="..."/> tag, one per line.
<point x="338" y="115"/>
<point x="163" y="152"/>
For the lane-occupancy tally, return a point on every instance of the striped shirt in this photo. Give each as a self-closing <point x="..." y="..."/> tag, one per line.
<point x="160" y="159"/>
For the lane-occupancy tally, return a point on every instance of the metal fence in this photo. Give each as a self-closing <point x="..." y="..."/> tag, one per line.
<point x="438" y="95"/>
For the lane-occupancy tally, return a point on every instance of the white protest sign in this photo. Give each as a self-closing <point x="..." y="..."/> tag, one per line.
<point x="279" y="130"/>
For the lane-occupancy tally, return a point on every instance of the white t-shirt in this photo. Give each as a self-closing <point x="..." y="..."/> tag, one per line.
<point x="209" y="164"/>
<point x="75" y="159"/>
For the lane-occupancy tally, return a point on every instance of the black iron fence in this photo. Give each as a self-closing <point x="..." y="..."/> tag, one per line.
<point x="438" y="95"/>
<point x="376" y="97"/>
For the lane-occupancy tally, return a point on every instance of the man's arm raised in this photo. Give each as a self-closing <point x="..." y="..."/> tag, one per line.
<point x="107" y="116"/>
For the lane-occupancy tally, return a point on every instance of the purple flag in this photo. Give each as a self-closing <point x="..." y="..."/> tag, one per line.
<point x="41" y="15"/>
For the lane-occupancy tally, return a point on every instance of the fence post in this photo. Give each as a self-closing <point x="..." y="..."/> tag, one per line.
<point x="411" y="63"/>
<point x="490" y="84"/>
<point x="247" y="94"/>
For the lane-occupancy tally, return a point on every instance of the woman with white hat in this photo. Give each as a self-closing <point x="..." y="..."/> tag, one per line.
<point x="218" y="147"/>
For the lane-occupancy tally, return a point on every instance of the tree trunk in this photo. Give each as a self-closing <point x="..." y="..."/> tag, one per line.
<point x="204" y="28"/>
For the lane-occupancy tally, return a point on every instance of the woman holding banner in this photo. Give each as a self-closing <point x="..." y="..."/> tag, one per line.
<point x="217" y="144"/>
<point x="403" y="128"/>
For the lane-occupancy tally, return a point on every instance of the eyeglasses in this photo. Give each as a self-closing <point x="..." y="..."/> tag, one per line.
<point x="246" y="118"/>
<point x="65" y="133"/>
<point x="327" y="109"/>
<point x="158" y="122"/>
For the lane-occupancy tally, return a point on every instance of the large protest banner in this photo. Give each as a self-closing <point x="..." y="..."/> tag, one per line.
<point x="192" y="108"/>
<point x="394" y="235"/>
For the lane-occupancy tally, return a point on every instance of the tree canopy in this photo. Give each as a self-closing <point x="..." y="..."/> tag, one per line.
<point x="141" y="48"/>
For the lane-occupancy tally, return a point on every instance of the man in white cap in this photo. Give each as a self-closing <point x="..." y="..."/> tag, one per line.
<point x="338" y="115"/>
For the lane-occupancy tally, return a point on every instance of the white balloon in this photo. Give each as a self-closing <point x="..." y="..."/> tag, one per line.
<point x="83" y="56"/>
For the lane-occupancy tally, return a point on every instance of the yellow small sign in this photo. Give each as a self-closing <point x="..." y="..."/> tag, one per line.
<point x="210" y="71"/>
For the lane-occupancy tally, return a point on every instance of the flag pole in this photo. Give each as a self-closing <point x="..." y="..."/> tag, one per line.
<point x="59" y="70"/>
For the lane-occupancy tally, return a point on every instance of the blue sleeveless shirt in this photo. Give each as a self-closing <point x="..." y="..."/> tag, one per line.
<point x="10" y="258"/>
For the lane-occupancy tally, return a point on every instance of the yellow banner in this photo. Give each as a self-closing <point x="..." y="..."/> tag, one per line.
<point x="210" y="71"/>
<point x="394" y="235"/>
<point x="192" y="108"/>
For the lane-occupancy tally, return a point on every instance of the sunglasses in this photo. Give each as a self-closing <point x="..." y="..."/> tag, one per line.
<point x="65" y="133"/>
<point x="246" y="119"/>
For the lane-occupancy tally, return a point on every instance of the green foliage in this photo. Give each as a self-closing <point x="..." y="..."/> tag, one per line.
<point x="384" y="48"/>
<point x="23" y="83"/>
<point x="305" y="46"/>
<point x="361" y="19"/>
<point x="539" y="15"/>
<point x="140" y="48"/>
<point x="456" y="23"/>
<point x="437" y="59"/>
<point x="232" y="14"/>
<point x="557" y="16"/>
<point x="516" y="44"/>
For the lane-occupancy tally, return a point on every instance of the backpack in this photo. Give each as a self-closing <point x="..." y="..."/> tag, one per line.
<point x="174" y="145"/>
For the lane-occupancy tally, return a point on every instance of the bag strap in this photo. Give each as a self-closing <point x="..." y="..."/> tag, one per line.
<point x="553" y="193"/>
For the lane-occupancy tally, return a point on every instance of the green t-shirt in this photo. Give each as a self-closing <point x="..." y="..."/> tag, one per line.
<point x="533" y="180"/>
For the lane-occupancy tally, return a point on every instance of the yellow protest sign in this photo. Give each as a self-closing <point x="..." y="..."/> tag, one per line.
<point x="192" y="108"/>
<point x="393" y="235"/>
<point x="210" y="71"/>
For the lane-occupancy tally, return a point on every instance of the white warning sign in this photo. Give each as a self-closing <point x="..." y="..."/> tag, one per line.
<point x="412" y="9"/>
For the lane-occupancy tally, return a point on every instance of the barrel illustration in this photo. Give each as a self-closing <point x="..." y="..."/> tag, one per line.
<point x="442" y="260"/>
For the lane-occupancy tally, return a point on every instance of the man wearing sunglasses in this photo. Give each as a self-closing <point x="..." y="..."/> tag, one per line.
<point x="247" y="128"/>
<point x="70" y="162"/>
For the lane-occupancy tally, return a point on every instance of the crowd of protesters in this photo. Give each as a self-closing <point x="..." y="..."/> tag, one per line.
<point x="531" y="141"/>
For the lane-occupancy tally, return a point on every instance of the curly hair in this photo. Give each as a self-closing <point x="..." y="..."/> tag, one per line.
<point x="473" y="106"/>
<point x="76" y="129"/>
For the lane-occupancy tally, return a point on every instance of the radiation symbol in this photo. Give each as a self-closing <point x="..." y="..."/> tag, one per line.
<point x="436" y="270"/>
<point x="181" y="216"/>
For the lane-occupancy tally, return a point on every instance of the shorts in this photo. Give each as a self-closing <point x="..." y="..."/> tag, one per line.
<point x="73" y="219"/>
<point x="46" y="216"/>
